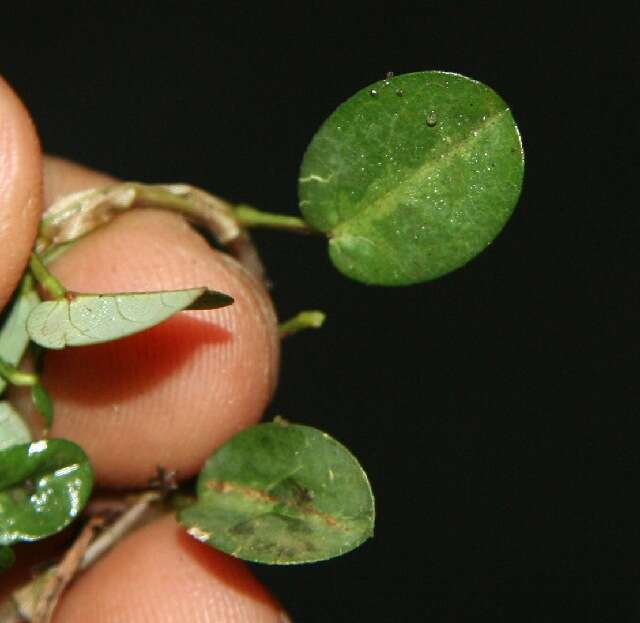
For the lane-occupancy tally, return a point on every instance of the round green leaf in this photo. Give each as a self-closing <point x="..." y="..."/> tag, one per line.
<point x="13" y="430"/>
<point x="7" y="557"/>
<point x="412" y="177"/>
<point x="282" y="494"/>
<point x="83" y="319"/>
<point x="43" y="487"/>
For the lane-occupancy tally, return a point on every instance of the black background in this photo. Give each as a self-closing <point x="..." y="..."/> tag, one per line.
<point x="492" y="408"/>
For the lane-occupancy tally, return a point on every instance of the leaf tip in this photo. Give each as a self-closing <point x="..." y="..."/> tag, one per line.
<point x="310" y="319"/>
<point x="210" y="299"/>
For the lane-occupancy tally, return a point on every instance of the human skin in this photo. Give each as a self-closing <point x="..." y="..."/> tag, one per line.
<point x="168" y="396"/>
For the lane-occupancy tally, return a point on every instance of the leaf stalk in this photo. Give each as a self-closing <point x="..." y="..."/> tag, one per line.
<point x="17" y="377"/>
<point x="248" y="216"/>
<point x="45" y="278"/>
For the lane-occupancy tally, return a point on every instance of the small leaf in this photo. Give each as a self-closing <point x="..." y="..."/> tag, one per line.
<point x="281" y="494"/>
<point x="7" y="558"/>
<point x="13" y="430"/>
<point x="309" y="319"/>
<point x="415" y="181"/>
<point x="43" y="403"/>
<point x="43" y="487"/>
<point x="14" y="338"/>
<point x="82" y="319"/>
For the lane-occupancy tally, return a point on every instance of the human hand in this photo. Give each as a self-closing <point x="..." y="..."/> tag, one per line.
<point x="166" y="397"/>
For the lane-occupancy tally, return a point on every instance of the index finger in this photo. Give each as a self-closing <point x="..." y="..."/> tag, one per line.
<point x="170" y="395"/>
<point x="20" y="189"/>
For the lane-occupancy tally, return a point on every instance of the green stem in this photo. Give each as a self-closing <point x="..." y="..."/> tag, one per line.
<point x="16" y="377"/>
<point x="45" y="278"/>
<point x="53" y="252"/>
<point x="26" y="284"/>
<point x="250" y="217"/>
<point x="304" y="320"/>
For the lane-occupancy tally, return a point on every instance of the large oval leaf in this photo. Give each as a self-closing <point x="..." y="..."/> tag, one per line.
<point x="14" y="338"/>
<point x="83" y="319"/>
<point x="7" y="557"/>
<point x="412" y="177"/>
<point x="13" y="430"/>
<point x="43" y="487"/>
<point x="282" y="494"/>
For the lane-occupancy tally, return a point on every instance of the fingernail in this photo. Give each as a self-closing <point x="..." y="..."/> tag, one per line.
<point x="285" y="618"/>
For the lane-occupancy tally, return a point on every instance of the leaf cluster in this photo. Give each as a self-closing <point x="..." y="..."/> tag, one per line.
<point x="408" y="180"/>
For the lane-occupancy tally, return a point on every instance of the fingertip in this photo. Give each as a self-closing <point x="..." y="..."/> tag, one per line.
<point x="160" y="574"/>
<point x="62" y="177"/>
<point x="20" y="188"/>
<point x="171" y="395"/>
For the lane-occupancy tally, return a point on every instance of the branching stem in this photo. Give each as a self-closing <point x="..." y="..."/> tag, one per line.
<point x="45" y="278"/>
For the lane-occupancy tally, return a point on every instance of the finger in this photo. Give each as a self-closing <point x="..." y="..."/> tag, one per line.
<point x="20" y="189"/>
<point x="170" y="395"/>
<point x="160" y="574"/>
<point x="62" y="177"/>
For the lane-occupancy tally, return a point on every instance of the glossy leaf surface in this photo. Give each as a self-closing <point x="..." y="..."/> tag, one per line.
<point x="83" y="319"/>
<point x="43" y="487"/>
<point x="14" y="338"/>
<point x="13" y="430"/>
<point x="412" y="177"/>
<point x="7" y="557"/>
<point x="282" y="494"/>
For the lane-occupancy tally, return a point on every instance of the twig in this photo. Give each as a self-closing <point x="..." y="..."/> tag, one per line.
<point x="75" y="215"/>
<point x="23" y="603"/>
<point x="128" y="521"/>
<point x="64" y="573"/>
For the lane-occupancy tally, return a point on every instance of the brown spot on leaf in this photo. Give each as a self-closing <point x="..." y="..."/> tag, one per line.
<point x="298" y="504"/>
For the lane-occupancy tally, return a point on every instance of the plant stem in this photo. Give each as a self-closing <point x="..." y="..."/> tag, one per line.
<point x="26" y="284"/>
<point x="53" y="252"/>
<point x="64" y="573"/>
<point x="45" y="278"/>
<point x="311" y="319"/>
<point x="16" y="377"/>
<point x="250" y="217"/>
<point x="78" y="214"/>
<point x="22" y="603"/>
<point x="138" y="513"/>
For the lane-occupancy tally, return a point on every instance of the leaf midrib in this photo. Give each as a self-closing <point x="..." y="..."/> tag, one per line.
<point x="384" y="204"/>
<point x="226" y="486"/>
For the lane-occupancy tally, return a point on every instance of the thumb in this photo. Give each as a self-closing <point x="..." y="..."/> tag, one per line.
<point x="20" y="188"/>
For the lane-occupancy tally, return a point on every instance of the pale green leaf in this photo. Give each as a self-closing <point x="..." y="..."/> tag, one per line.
<point x="82" y="319"/>
<point x="282" y="494"/>
<point x="13" y="430"/>
<point x="412" y="177"/>
<point x="14" y="338"/>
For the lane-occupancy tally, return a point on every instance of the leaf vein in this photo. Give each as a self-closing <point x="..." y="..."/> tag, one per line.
<point x="385" y="203"/>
